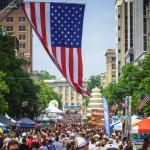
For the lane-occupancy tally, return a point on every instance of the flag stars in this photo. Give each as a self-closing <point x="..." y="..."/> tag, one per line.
<point x="66" y="25"/>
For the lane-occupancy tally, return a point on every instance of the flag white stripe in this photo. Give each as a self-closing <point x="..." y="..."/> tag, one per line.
<point x="58" y="55"/>
<point x="28" y="12"/>
<point x="67" y="66"/>
<point x="48" y="31"/>
<point x="75" y="64"/>
<point x="38" y="18"/>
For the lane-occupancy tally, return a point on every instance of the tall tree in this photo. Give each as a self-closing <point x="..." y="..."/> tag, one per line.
<point x="21" y="87"/>
<point x="46" y="94"/>
<point x="94" y="81"/>
<point x="44" y="75"/>
<point x="3" y="91"/>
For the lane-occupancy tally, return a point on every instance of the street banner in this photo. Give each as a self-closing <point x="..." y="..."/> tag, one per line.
<point x="106" y="116"/>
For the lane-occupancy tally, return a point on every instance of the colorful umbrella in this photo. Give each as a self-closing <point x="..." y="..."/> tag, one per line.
<point x="143" y="127"/>
<point x="39" y="125"/>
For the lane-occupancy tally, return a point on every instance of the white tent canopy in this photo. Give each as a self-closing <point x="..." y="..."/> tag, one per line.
<point x="2" y="125"/>
<point x="43" y="117"/>
<point x="12" y="120"/>
<point x="52" y="109"/>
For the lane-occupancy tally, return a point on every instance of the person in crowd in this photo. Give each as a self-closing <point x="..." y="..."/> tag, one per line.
<point x="44" y="146"/>
<point x="145" y="144"/>
<point x="92" y="144"/>
<point x="23" y="145"/>
<point x="58" y="145"/>
<point x="128" y="146"/>
<point x="13" y="145"/>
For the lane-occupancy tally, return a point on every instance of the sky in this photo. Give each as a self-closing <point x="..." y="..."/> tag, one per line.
<point x="98" y="36"/>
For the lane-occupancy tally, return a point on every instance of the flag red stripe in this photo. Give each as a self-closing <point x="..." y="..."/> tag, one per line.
<point x="54" y="52"/>
<point x="33" y="18"/>
<point x="63" y="60"/>
<point x="80" y="67"/>
<point x="43" y="25"/>
<point x="71" y="63"/>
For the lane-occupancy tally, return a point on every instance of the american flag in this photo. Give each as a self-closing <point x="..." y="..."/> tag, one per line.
<point x="114" y="108"/>
<point x="144" y="99"/>
<point x="59" y="27"/>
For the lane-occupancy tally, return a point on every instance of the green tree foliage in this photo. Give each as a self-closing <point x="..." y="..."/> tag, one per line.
<point x="3" y="90"/>
<point x="46" y="94"/>
<point x="44" y="75"/>
<point x="94" y="81"/>
<point x="16" y="86"/>
<point x="132" y="82"/>
<point x="21" y="87"/>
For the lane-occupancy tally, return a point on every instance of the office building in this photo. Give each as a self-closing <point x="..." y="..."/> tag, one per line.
<point x="132" y="31"/>
<point x="17" y="24"/>
<point x="124" y="33"/>
<point x="70" y="98"/>
<point x="111" y="65"/>
<point x="103" y="79"/>
<point x="141" y="28"/>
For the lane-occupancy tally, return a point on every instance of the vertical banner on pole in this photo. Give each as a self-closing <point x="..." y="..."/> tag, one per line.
<point x="106" y="116"/>
<point x="129" y="119"/>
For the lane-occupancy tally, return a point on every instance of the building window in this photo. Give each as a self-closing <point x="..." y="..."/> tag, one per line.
<point x="9" y="19"/>
<point x="118" y="27"/>
<point x="113" y="58"/>
<point x="119" y="39"/>
<point x="119" y="51"/>
<point x="113" y="66"/>
<point x="118" y="16"/>
<point x="22" y="28"/>
<point x="22" y="45"/>
<point x="22" y="19"/>
<point x="9" y="28"/>
<point x="72" y="104"/>
<point x="22" y="37"/>
<point x="113" y="75"/>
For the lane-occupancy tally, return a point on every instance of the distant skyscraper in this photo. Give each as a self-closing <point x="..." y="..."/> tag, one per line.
<point x="124" y="33"/>
<point x="132" y="31"/>
<point x="141" y="27"/>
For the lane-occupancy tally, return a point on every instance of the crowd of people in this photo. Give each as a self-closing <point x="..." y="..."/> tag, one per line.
<point x="69" y="134"/>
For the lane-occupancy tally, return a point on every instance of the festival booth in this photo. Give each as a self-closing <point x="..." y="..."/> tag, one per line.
<point x="43" y="117"/>
<point x="142" y="127"/>
<point x="25" y="123"/>
<point x="6" y="121"/>
<point x="52" y="109"/>
<point x="118" y="124"/>
<point x="53" y="112"/>
<point x="8" y="117"/>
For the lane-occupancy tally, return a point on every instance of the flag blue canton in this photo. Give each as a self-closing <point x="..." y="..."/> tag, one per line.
<point x="66" y="24"/>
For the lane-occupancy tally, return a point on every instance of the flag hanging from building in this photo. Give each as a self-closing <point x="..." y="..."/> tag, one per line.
<point x="59" y="27"/>
<point x="144" y="99"/>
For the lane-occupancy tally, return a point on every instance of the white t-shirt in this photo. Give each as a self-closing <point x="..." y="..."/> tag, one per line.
<point x="92" y="146"/>
<point x="81" y="141"/>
